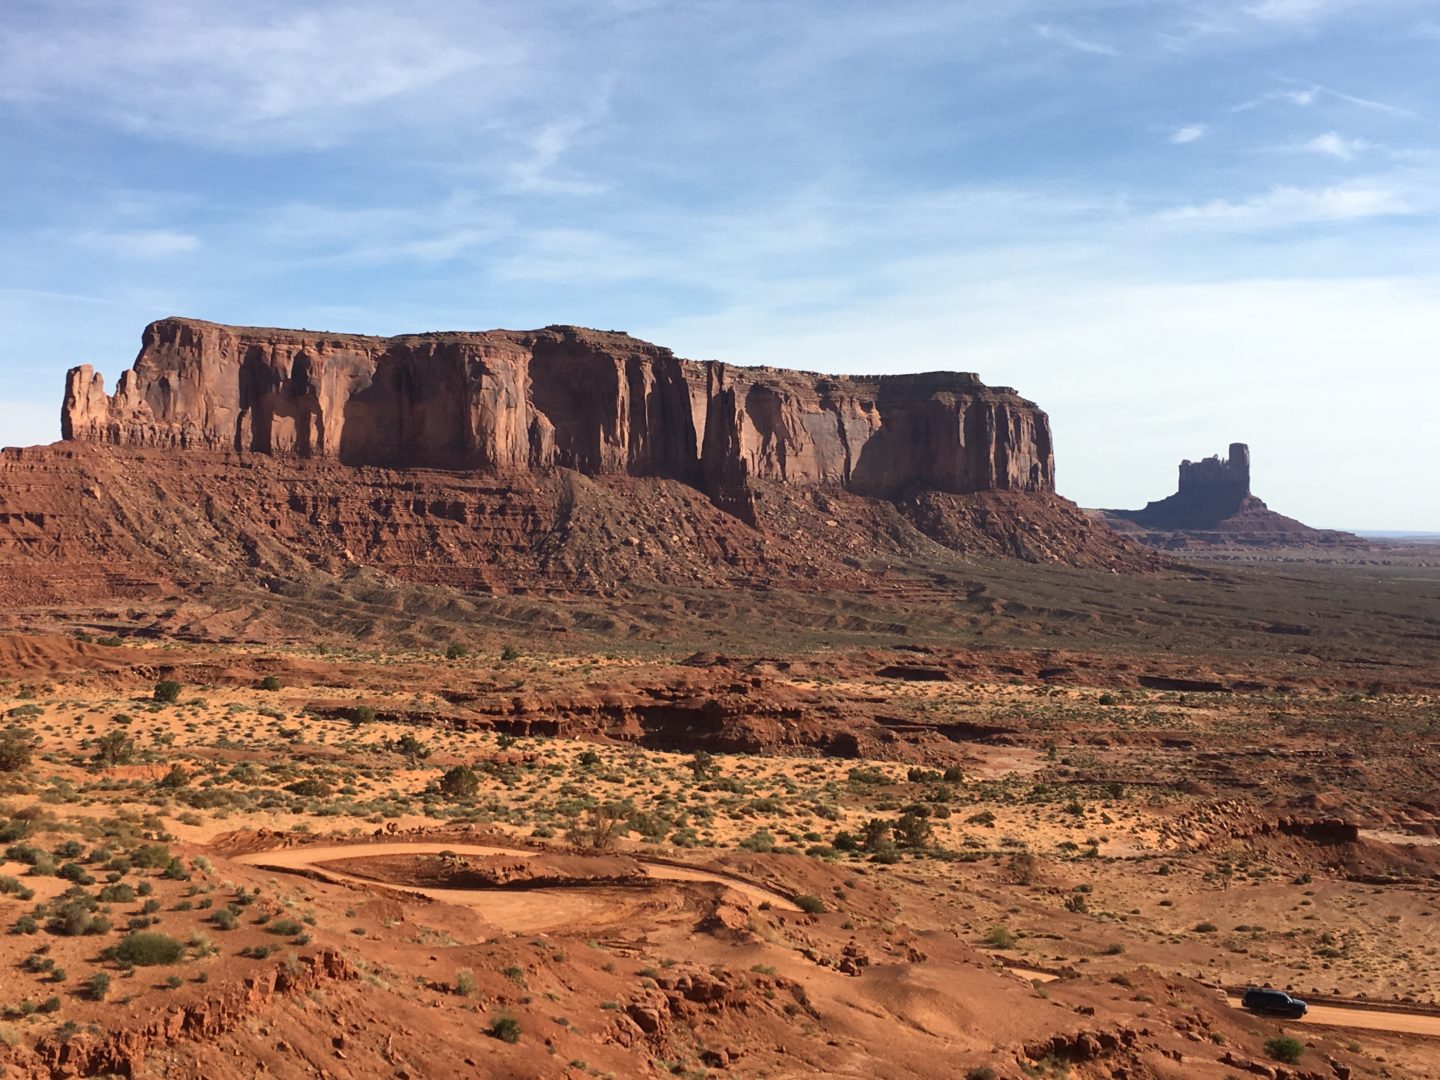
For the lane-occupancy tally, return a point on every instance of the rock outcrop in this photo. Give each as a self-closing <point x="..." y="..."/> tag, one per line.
<point x="601" y="403"/>
<point x="1214" y="505"/>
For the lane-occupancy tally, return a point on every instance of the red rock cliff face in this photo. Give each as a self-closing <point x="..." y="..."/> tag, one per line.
<point x="513" y="401"/>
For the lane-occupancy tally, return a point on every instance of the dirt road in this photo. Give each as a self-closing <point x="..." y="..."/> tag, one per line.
<point x="1326" y="1015"/>
<point x="528" y="910"/>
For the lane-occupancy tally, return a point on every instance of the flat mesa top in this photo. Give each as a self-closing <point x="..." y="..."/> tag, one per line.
<point x="618" y="339"/>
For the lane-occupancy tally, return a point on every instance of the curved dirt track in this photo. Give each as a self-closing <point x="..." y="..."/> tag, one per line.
<point x="1371" y="1019"/>
<point x="527" y="910"/>
<point x="1326" y="1015"/>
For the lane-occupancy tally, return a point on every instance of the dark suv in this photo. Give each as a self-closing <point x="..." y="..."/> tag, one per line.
<point x="1273" y="1003"/>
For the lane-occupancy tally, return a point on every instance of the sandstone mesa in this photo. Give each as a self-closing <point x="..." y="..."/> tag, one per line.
<point x="601" y="403"/>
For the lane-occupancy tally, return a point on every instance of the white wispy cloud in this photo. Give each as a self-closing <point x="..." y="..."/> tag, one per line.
<point x="1188" y="134"/>
<point x="1286" y="205"/>
<point x="262" y="71"/>
<point x="1306" y="96"/>
<point x="140" y="243"/>
<point x="1063" y="35"/>
<point x="1335" y="145"/>
<point x="1297" y="11"/>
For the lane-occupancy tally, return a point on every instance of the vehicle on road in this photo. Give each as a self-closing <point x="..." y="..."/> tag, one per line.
<point x="1273" y="1003"/>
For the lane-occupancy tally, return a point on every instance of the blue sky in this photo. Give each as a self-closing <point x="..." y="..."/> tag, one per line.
<point x="1173" y="224"/>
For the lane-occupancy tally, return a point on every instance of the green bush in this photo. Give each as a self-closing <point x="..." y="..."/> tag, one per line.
<point x="810" y="904"/>
<point x="506" y="1029"/>
<point x="149" y="949"/>
<point x="1285" y="1048"/>
<point x="270" y="682"/>
<point x="456" y="651"/>
<point x="75" y="915"/>
<point x="1000" y="937"/>
<point x="286" y="927"/>
<point x="459" y="782"/>
<point x="411" y="748"/>
<point x="17" y="746"/>
<point x="97" y="986"/>
<point x="114" y="748"/>
<point x="167" y="691"/>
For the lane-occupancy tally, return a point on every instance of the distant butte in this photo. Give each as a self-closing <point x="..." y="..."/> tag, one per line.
<point x="1214" y="505"/>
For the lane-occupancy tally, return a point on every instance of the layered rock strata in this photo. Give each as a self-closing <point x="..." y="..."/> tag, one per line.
<point x="512" y="402"/>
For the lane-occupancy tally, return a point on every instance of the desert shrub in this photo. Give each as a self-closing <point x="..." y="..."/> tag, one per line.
<point x="1000" y="937"/>
<point x="361" y="714"/>
<point x="913" y="831"/>
<point x="953" y="775"/>
<point x="75" y="915"/>
<point x="810" y="904"/>
<point x="114" y="748"/>
<point x="269" y="682"/>
<point x="176" y="778"/>
<point x="97" y="986"/>
<point x="1284" y="1048"/>
<point x="1109" y="699"/>
<point x="225" y="919"/>
<point x="650" y="826"/>
<point x="456" y="651"/>
<point x="602" y="826"/>
<point x="310" y="788"/>
<point x="75" y="872"/>
<point x="17" y="746"/>
<point x="12" y="886"/>
<point x="465" y="982"/>
<point x="149" y="949"/>
<point x="505" y="1028"/>
<point x="982" y="1072"/>
<point x="875" y="836"/>
<point x="760" y="840"/>
<point x="167" y="691"/>
<point x="410" y="748"/>
<point x="509" y="653"/>
<point x="150" y="856"/>
<point x="286" y="927"/>
<point x="1205" y="928"/>
<point x="867" y="776"/>
<point x="459" y="782"/>
<point x="703" y="765"/>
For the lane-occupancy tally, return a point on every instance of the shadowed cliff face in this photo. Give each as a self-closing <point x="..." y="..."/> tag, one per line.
<point x="597" y="402"/>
